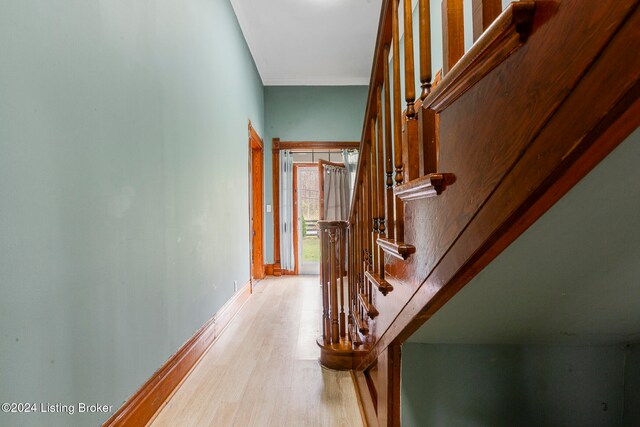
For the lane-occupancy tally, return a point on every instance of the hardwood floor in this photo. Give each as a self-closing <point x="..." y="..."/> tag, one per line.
<point x="264" y="371"/>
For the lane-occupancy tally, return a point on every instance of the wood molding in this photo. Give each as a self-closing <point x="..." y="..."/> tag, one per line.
<point x="277" y="269"/>
<point x="145" y="403"/>
<point x="276" y="146"/>
<point x="275" y="181"/>
<point x="313" y="145"/>
<point x="424" y="187"/>
<point x="507" y="33"/>
<point x="256" y="203"/>
<point x="399" y="250"/>
<point x="254" y="135"/>
<point x="268" y="269"/>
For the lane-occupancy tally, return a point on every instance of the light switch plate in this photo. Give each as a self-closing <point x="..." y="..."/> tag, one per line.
<point x="268" y="208"/>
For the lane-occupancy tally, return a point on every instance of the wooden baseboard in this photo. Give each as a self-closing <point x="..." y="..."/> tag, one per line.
<point x="277" y="269"/>
<point x="142" y="406"/>
<point x="268" y="269"/>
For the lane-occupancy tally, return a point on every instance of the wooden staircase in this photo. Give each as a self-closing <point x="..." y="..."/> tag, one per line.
<point x="500" y="134"/>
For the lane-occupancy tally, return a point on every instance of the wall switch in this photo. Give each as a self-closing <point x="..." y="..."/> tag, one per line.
<point x="268" y="208"/>
<point x="235" y="286"/>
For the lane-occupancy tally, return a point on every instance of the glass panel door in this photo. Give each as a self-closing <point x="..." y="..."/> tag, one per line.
<point x="308" y="215"/>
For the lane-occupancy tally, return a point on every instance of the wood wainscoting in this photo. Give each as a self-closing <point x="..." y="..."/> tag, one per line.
<point x="142" y="406"/>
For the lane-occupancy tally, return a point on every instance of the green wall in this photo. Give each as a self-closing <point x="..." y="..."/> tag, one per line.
<point x="308" y="113"/>
<point x="529" y="385"/>
<point x="123" y="191"/>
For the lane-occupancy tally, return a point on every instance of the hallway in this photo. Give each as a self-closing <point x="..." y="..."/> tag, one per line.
<point x="264" y="371"/>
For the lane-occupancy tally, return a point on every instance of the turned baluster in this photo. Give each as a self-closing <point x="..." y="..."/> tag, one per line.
<point x="409" y="79"/>
<point x="341" y="241"/>
<point x="374" y="195"/>
<point x="427" y="119"/>
<point x="380" y="184"/>
<point x="326" y="330"/>
<point x="333" y="286"/>
<point x="410" y="145"/>
<point x="397" y="122"/>
<point x="388" y="154"/>
<point x="424" y="15"/>
<point x="362" y="240"/>
<point x="350" y="246"/>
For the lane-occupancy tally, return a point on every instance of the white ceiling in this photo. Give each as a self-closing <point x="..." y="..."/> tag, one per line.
<point x="310" y="42"/>
<point x="572" y="278"/>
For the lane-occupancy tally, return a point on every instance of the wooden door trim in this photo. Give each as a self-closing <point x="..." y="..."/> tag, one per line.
<point x="256" y="205"/>
<point x="313" y="145"/>
<point x="276" y="146"/>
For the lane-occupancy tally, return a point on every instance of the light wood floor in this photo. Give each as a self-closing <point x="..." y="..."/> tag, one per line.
<point x="264" y="371"/>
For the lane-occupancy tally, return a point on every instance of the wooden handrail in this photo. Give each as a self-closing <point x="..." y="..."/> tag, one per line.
<point x="397" y="163"/>
<point x="519" y="125"/>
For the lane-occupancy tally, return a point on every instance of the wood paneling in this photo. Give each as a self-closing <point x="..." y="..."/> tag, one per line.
<point x="313" y="145"/>
<point x="268" y="269"/>
<point x="144" y="403"/>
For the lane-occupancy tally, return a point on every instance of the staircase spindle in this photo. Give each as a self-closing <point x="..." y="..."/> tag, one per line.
<point x="374" y="193"/>
<point x="335" y="326"/>
<point x="326" y="326"/>
<point x="409" y="78"/>
<point x="380" y="187"/>
<point x="424" y="14"/>
<point x="397" y="122"/>
<point x="341" y="249"/>
<point x="387" y="146"/>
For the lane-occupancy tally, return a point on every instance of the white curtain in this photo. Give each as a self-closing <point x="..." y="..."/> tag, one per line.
<point x="350" y="160"/>
<point x="336" y="193"/>
<point x="287" y="260"/>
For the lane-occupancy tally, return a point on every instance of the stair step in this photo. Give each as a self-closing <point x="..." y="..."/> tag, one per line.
<point x="354" y="335"/>
<point x="424" y="187"/>
<point x="363" y="327"/>
<point x="397" y="249"/>
<point x="368" y="307"/>
<point x="383" y="286"/>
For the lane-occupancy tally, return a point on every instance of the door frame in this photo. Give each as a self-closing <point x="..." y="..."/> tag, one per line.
<point x="256" y="205"/>
<point x="276" y="146"/>
<point x="296" y="236"/>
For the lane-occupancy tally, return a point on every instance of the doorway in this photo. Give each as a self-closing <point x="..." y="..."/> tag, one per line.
<point x="256" y="202"/>
<point x="306" y="212"/>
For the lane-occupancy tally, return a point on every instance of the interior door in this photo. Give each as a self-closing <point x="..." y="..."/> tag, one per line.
<point x="307" y="211"/>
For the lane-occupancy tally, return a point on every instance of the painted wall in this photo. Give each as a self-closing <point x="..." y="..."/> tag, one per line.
<point x="506" y="385"/>
<point x="308" y="113"/>
<point x="123" y="191"/>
